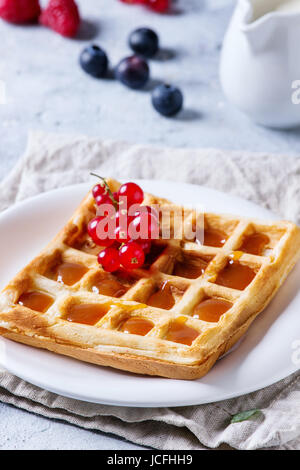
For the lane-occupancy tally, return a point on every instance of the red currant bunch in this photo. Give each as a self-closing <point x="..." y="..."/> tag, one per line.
<point x="123" y="226"/>
<point x="160" y="6"/>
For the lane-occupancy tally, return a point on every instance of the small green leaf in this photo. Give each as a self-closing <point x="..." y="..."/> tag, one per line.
<point x="244" y="415"/>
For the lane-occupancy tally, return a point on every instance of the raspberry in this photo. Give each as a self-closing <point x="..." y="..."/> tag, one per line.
<point x="62" y="16"/>
<point x="19" y="11"/>
<point x="160" y="6"/>
<point x="134" y="1"/>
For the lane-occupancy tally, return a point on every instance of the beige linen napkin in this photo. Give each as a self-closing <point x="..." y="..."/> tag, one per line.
<point x="52" y="161"/>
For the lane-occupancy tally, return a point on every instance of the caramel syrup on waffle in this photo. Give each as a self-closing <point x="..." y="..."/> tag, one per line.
<point x="69" y="273"/>
<point x="236" y="276"/>
<point x="35" y="300"/>
<point x="163" y="298"/>
<point x="178" y="332"/>
<point x="88" y="314"/>
<point x="136" y="326"/>
<point x="191" y="268"/>
<point x="213" y="237"/>
<point x="211" y="310"/>
<point x="110" y="287"/>
<point x="255" y="244"/>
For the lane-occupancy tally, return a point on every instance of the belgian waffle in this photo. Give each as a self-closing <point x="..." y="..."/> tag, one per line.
<point x="174" y="317"/>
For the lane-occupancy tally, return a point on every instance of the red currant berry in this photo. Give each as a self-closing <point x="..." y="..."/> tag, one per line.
<point x="98" y="190"/>
<point x="145" y="226"/>
<point x="160" y="6"/>
<point x="92" y="228"/>
<point x="131" y="255"/>
<point x="121" y="235"/>
<point x="145" y="244"/>
<point x="146" y="209"/>
<point x="94" y="233"/>
<point x="132" y="192"/>
<point x="109" y="259"/>
<point x="103" y="199"/>
<point x="122" y="218"/>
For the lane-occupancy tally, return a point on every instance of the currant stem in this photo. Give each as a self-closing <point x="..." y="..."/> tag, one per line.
<point x="107" y="189"/>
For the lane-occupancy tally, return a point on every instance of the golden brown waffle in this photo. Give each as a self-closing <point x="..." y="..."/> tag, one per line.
<point x="128" y="330"/>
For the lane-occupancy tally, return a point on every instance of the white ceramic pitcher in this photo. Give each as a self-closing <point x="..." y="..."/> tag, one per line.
<point x="260" y="62"/>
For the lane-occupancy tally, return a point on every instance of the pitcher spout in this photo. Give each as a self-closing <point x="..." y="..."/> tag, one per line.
<point x="260" y="22"/>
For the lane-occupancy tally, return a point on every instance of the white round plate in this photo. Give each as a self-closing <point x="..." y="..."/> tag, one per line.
<point x="264" y="355"/>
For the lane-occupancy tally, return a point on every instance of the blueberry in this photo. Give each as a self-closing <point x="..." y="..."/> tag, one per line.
<point x="94" y="61"/>
<point x="133" y="72"/>
<point x="167" y="99"/>
<point x="144" y="41"/>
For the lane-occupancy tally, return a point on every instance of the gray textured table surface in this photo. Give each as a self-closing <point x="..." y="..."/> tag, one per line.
<point x="46" y="89"/>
